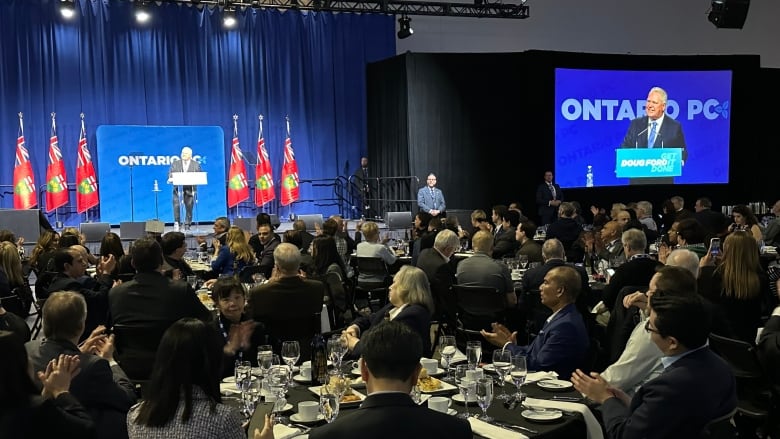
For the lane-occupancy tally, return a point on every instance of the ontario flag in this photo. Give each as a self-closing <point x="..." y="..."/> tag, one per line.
<point x="24" y="181"/>
<point x="290" y="187"/>
<point x="56" y="180"/>
<point x="86" y="181"/>
<point x="238" y="189"/>
<point x="264" y="180"/>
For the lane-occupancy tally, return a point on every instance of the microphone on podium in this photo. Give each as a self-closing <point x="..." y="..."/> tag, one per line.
<point x="636" y="142"/>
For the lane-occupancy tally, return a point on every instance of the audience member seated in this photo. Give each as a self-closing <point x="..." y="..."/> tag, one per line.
<point x="41" y="257"/>
<point x="13" y="283"/>
<point x="736" y="284"/>
<point x="553" y="256"/>
<point x="221" y="226"/>
<point x="644" y="213"/>
<point x="183" y="398"/>
<point x="234" y="255"/>
<point x="268" y="241"/>
<point x="438" y="267"/>
<point x="372" y="248"/>
<point x="637" y="270"/>
<point x="565" y="228"/>
<point x="71" y="274"/>
<point x="112" y="245"/>
<point x="101" y="386"/>
<point x="525" y="238"/>
<point x="306" y="237"/>
<point x="714" y="223"/>
<point x="11" y="322"/>
<point x="668" y="216"/>
<point x="287" y="296"/>
<point x="746" y="221"/>
<point x="769" y="355"/>
<point x="329" y="268"/>
<point x="505" y="243"/>
<point x="692" y="236"/>
<point x="255" y="242"/>
<point x="481" y="270"/>
<point x="239" y="336"/>
<point x="410" y="303"/>
<point x="695" y="388"/>
<point x="419" y="229"/>
<point x="563" y="342"/>
<point x="390" y="366"/>
<point x="610" y="246"/>
<point x="772" y="231"/>
<point x="28" y="412"/>
<point x="435" y="225"/>
<point x="174" y="246"/>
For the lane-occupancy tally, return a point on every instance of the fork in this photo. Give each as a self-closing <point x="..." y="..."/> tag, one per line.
<point x="304" y="430"/>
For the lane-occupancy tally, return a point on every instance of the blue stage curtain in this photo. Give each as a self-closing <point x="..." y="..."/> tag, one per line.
<point x="183" y="68"/>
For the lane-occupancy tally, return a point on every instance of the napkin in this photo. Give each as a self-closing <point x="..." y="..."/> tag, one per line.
<point x="591" y="424"/>
<point x="489" y="431"/>
<point x="284" y="432"/>
<point x="228" y="389"/>
<point x="535" y="376"/>
<point x="458" y="357"/>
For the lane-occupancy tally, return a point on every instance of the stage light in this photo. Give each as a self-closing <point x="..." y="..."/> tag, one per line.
<point x="142" y="14"/>
<point x="405" y="27"/>
<point x="229" y="18"/>
<point x="728" y="14"/>
<point x="67" y="9"/>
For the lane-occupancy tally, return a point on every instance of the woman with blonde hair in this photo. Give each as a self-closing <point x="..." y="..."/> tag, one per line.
<point x="234" y="255"/>
<point x="11" y="266"/>
<point x="410" y="302"/>
<point x="736" y="284"/>
<point x="43" y="250"/>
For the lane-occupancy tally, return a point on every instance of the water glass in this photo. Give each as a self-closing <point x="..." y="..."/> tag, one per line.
<point x="329" y="405"/>
<point x="484" y="392"/>
<point x="291" y="352"/>
<point x="338" y="385"/>
<point x="502" y="363"/>
<point x="467" y="389"/>
<point x="518" y="373"/>
<point x="447" y="349"/>
<point x="265" y="356"/>
<point x="242" y="372"/>
<point x="416" y="394"/>
<point x="523" y="260"/>
<point x="473" y="353"/>
<point x="278" y="380"/>
<point x="193" y="281"/>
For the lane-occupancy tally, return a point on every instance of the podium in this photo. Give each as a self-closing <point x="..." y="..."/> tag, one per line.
<point x="190" y="179"/>
<point x="648" y="162"/>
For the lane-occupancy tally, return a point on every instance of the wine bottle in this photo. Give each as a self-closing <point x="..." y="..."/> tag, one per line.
<point x="319" y="361"/>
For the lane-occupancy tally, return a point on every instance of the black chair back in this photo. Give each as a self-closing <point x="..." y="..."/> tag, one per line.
<point x="740" y="355"/>
<point x="136" y="346"/>
<point x="288" y="328"/>
<point x="721" y="428"/>
<point x="245" y="275"/>
<point x="476" y="308"/>
<point x="371" y="294"/>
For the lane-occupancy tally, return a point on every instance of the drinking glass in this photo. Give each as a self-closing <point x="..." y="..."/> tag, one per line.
<point x="279" y="379"/>
<point x="337" y="348"/>
<point x="193" y="281"/>
<point x="447" y="349"/>
<point x="467" y="387"/>
<point x="329" y="405"/>
<point x="523" y="260"/>
<point x="242" y="372"/>
<point x="336" y="386"/>
<point x="502" y="363"/>
<point x="265" y="355"/>
<point x="416" y="394"/>
<point x="518" y="373"/>
<point x="484" y="391"/>
<point x="473" y="353"/>
<point x="291" y="352"/>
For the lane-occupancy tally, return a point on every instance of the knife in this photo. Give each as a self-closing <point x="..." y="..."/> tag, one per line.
<point x="516" y="427"/>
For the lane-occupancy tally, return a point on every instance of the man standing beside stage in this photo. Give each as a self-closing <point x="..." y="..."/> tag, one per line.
<point x="430" y="198"/>
<point x="548" y="197"/>
<point x="362" y="181"/>
<point x="186" y="164"/>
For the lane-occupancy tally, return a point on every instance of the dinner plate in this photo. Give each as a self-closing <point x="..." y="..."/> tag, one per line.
<point x="229" y="379"/>
<point x="316" y="390"/>
<point x="301" y="379"/>
<point x="452" y="412"/>
<point x="542" y="415"/>
<point x="445" y="387"/>
<point x="228" y="389"/>
<point x="459" y="399"/>
<point x="555" y="385"/>
<point x="287" y="407"/>
<point x="439" y="371"/>
<point x="296" y="417"/>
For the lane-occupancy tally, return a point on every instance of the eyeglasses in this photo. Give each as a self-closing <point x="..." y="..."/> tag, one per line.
<point x="649" y="329"/>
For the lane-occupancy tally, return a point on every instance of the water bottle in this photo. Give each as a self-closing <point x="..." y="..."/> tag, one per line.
<point x="319" y="361"/>
<point x="176" y="226"/>
<point x="156" y="186"/>
<point x="589" y="177"/>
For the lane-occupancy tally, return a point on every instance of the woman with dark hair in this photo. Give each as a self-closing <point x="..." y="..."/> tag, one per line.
<point x="12" y="280"/>
<point x="745" y="220"/>
<point x="737" y="284"/>
<point x="112" y="245"/>
<point x="25" y="412"/>
<point x="183" y="398"/>
<point x="234" y="255"/>
<point x="326" y="257"/>
<point x="239" y="336"/>
<point x="44" y="249"/>
<point x="668" y="217"/>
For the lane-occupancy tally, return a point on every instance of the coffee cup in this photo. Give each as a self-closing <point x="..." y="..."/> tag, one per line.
<point x="306" y="371"/>
<point x="430" y="365"/>
<point x="308" y="410"/>
<point x="439" y="403"/>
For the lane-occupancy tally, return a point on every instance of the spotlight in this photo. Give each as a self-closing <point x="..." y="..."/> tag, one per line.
<point x="405" y="27"/>
<point x="229" y="18"/>
<point x="142" y="14"/>
<point x="728" y="14"/>
<point x="67" y="9"/>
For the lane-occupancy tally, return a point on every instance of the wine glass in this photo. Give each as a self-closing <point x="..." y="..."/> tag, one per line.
<point x="465" y="386"/>
<point x="291" y="352"/>
<point x="447" y="349"/>
<point x="416" y="394"/>
<point x="523" y="260"/>
<point x="518" y="372"/>
<point x="193" y="281"/>
<point x="329" y="404"/>
<point x="265" y="355"/>
<point x="278" y="380"/>
<point x="502" y="363"/>
<point x="337" y="348"/>
<point x="484" y="391"/>
<point x="473" y="353"/>
<point x="336" y="383"/>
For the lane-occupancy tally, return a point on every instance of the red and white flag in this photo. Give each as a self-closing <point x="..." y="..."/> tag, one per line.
<point x="56" y="179"/>
<point x="290" y="183"/>
<point x="238" y="188"/>
<point x="25" y="196"/>
<point x="86" y="180"/>
<point x="264" y="180"/>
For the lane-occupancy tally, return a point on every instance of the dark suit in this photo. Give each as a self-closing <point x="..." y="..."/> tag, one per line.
<point x="714" y="223"/>
<point x="670" y="135"/>
<point x="265" y="257"/>
<point x="613" y="252"/>
<point x="547" y="213"/>
<point x="566" y="230"/>
<point x="428" y="199"/>
<point x="104" y="391"/>
<point x="560" y="346"/>
<point x="634" y="272"/>
<point x="363" y="186"/>
<point x="504" y="243"/>
<point x="391" y="416"/>
<point x="769" y="353"/>
<point x="532" y="249"/>
<point x="188" y="191"/>
<point x="61" y="417"/>
<point x="441" y="276"/>
<point x="694" y="390"/>
<point x="416" y="317"/>
<point x="95" y="294"/>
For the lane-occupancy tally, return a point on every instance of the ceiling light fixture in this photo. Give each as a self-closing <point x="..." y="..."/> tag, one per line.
<point x="405" y="27"/>
<point x="142" y="14"/>
<point x="67" y="9"/>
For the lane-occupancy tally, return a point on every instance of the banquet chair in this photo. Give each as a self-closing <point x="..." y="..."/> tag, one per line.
<point x="477" y="307"/>
<point x="721" y="428"/>
<point x="136" y="347"/>
<point x="287" y="327"/>
<point x="369" y="294"/>
<point x="245" y="275"/>
<point x="753" y="395"/>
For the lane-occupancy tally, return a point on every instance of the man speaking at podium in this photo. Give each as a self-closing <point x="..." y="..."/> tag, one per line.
<point x="655" y="130"/>
<point x="186" y="164"/>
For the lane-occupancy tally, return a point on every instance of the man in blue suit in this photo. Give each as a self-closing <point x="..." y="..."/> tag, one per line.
<point x="655" y="130"/>
<point x="430" y="198"/>
<point x="563" y="341"/>
<point x="695" y="388"/>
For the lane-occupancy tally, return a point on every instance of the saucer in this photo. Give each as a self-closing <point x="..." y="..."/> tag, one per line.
<point x="287" y="407"/>
<point x="459" y="398"/>
<point x="551" y="415"/>
<point x="555" y="385"/>
<point x="296" y="417"/>
<point x="452" y="412"/>
<point x="301" y="379"/>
